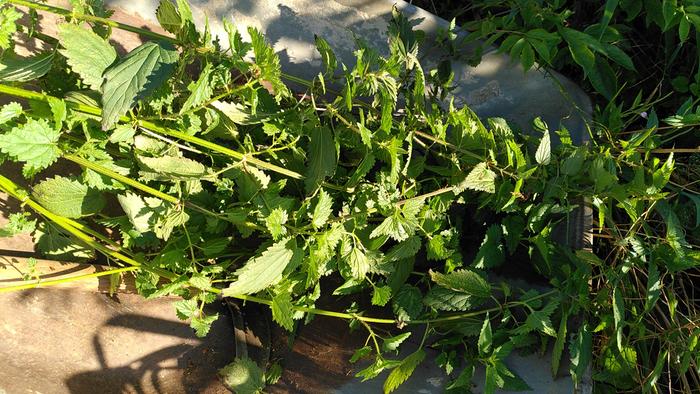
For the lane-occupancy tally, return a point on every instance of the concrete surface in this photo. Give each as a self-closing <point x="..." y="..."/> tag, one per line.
<point x="74" y="341"/>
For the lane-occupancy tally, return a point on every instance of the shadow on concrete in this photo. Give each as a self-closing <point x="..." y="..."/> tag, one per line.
<point x="179" y="368"/>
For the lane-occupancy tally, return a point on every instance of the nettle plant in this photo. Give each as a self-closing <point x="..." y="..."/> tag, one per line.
<point x="204" y="175"/>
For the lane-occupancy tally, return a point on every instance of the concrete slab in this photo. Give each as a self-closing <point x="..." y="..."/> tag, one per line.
<point x="75" y="341"/>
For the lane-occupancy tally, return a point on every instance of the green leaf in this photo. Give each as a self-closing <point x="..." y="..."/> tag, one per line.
<point x="186" y="309"/>
<point x="508" y="380"/>
<point x="34" y="143"/>
<point x="235" y="40"/>
<point x="17" y="223"/>
<point x="618" y="56"/>
<point x="123" y="133"/>
<point x="200" y="281"/>
<point x="650" y="383"/>
<point x="165" y="224"/>
<point x="391" y="344"/>
<point x="239" y="113"/>
<point x="264" y="270"/>
<point x="87" y="54"/>
<point x="492" y="380"/>
<point x="52" y="243"/>
<point x="321" y="161"/>
<point x="675" y="235"/>
<point x="544" y="150"/>
<point x="404" y="249"/>
<point x="356" y="259"/>
<point x="168" y="17"/>
<point x="465" y="281"/>
<point x="485" y="337"/>
<point x="381" y="295"/>
<point x="201" y="90"/>
<point x="491" y="252"/>
<point x="361" y="171"/>
<point x="512" y="228"/>
<point x="167" y="289"/>
<point x="202" y="324"/>
<point x="443" y="299"/>
<point x="140" y="211"/>
<point x="183" y="8"/>
<point x="608" y="12"/>
<point x="418" y="85"/>
<point x="603" y="78"/>
<point x="374" y="369"/>
<point x="268" y="62"/>
<point x="136" y="76"/>
<point x="322" y="210"/>
<point x="10" y="111"/>
<point x="401" y="373"/>
<point x="396" y="227"/>
<point x="480" y="178"/>
<point x="618" y="314"/>
<point x="527" y="57"/>
<point x="437" y="249"/>
<point x="668" y="10"/>
<point x="559" y="344"/>
<point x="243" y="376"/>
<point x="463" y="380"/>
<point x="573" y="164"/>
<point x="283" y="310"/>
<point x="15" y="68"/>
<point x="275" y="223"/>
<point x="8" y="26"/>
<point x="327" y="56"/>
<point x="407" y="303"/>
<point x="581" y="350"/>
<point x="662" y="175"/>
<point x="654" y="285"/>
<point x="171" y="168"/>
<point x="580" y="52"/>
<point x="360" y="353"/>
<point x="59" y="111"/>
<point x="539" y="321"/>
<point x="683" y="29"/>
<point x="68" y="197"/>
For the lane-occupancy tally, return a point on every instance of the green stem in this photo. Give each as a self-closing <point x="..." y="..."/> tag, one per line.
<point x="54" y="282"/>
<point x="12" y="189"/>
<point x="90" y="18"/>
<point x="121" y="178"/>
<point x="248" y="159"/>
<point x="30" y="95"/>
<point x="372" y="335"/>
<point x="465" y="315"/>
<point x="18" y="193"/>
<point x="313" y="311"/>
<point x="145" y="188"/>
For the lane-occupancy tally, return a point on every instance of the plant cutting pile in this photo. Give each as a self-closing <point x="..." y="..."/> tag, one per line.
<point x="190" y="163"/>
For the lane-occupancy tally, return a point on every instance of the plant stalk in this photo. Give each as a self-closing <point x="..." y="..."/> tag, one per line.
<point x="90" y="18"/>
<point x="11" y="188"/>
<point x="54" y="282"/>
<point x="248" y="159"/>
